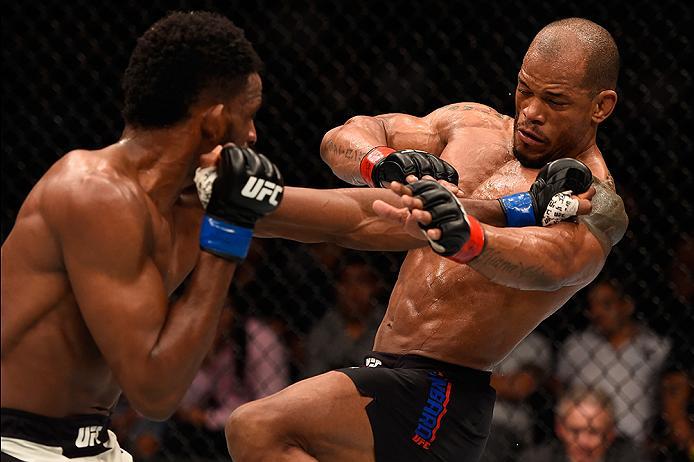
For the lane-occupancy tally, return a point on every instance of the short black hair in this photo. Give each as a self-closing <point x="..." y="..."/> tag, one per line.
<point x="602" y="55"/>
<point x="179" y="57"/>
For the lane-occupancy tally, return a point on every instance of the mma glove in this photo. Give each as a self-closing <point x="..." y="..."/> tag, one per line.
<point x="549" y="199"/>
<point x="382" y="164"/>
<point x="462" y="236"/>
<point x="244" y="187"/>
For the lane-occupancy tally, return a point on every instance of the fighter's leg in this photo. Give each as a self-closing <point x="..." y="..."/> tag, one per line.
<point x="322" y="418"/>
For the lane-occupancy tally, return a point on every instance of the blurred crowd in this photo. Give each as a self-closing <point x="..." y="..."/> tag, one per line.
<point x="612" y="390"/>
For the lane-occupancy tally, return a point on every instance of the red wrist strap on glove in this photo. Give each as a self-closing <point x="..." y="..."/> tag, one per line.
<point x="369" y="160"/>
<point x="474" y="246"/>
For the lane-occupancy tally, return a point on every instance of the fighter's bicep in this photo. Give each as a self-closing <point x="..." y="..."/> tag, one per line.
<point x="404" y="131"/>
<point x="106" y="246"/>
<point x="125" y="317"/>
<point x="608" y="219"/>
<point x="112" y="305"/>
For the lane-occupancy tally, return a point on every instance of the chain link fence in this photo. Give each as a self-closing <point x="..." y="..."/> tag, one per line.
<point x="325" y="62"/>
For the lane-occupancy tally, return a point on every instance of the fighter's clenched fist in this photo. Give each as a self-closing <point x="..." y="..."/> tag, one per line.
<point x="382" y="165"/>
<point x="242" y="188"/>
<point x="462" y="237"/>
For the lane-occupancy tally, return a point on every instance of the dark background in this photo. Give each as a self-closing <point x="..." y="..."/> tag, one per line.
<point x="329" y="60"/>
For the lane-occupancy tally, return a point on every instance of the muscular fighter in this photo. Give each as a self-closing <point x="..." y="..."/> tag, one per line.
<point x="424" y="394"/>
<point x="105" y="237"/>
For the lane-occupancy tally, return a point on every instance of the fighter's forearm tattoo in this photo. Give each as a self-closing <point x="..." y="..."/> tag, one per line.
<point x="495" y="265"/>
<point x="347" y="153"/>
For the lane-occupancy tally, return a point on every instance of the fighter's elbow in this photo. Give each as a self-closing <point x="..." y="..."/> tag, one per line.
<point x="157" y="408"/>
<point x="156" y="414"/>
<point x="571" y="270"/>
<point x="540" y="281"/>
<point x="149" y="396"/>
<point x="333" y="139"/>
<point x="338" y="140"/>
<point x="555" y="278"/>
<point x="327" y="145"/>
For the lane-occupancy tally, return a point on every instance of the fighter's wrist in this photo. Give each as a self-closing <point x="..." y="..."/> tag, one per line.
<point x="518" y="209"/>
<point x="224" y="239"/>
<point x="473" y="246"/>
<point x="369" y="160"/>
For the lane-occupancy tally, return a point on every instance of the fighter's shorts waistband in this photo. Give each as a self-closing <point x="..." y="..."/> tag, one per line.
<point x="79" y="435"/>
<point x="474" y="377"/>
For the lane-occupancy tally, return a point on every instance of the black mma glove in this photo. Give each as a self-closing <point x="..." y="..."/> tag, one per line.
<point x="244" y="187"/>
<point x="462" y="236"/>
<point x="549" y="199"/>
<point x="382" y="165"/>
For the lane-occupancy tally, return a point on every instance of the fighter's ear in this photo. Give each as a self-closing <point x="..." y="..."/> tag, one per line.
<point x="603" y="105"/>
<point x="213" y="125"/>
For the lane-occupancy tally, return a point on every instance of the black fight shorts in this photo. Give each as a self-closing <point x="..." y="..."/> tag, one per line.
<point x="424" y="409"/>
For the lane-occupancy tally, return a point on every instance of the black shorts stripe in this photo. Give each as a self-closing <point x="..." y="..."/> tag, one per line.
<point x="425" y="410"/>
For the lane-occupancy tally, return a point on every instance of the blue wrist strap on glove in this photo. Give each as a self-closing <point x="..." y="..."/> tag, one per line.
<point x="518" y="209"/>
<point x="224" y="239"/>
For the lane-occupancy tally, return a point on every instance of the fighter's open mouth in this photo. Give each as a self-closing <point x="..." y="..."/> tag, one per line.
<point x="531" y="135"/>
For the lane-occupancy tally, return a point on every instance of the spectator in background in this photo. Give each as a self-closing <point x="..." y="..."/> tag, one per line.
<point x="585" y="428"/>
<point x="247" y="361"/>
<point x="345" y="334"/>
<point x="618" y="355"/>
<point x="673" y="433"/>
<point x="515" y="379"/>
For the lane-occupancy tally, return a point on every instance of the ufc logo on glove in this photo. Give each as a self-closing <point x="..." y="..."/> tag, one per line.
<point x="259" y="189"/>
<point x="224" y="191"/>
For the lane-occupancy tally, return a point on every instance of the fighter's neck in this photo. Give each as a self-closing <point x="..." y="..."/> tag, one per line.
<point x="586" y="147"/>
<point x="592" y="157"/>
<point x="588" y="152"/>
<point x="164" y="160"/>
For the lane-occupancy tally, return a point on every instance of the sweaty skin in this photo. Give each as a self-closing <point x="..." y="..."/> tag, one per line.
<point x="471" y="314"/>
<point x="42" y="308"/>
<point x="474" y="314"/>
<point x="98" y="246"/>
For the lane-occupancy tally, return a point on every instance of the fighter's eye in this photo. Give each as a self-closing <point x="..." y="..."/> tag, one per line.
<point x="556" y="102"/>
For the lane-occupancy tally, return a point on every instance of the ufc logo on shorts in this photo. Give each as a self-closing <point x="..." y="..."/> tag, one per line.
<point x="372" y="362"/>
<point x="88" y="436"/>
<point x="259" y="189"/>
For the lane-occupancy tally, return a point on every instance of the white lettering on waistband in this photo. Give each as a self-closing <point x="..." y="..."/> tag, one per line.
<point x="88" y="436"/>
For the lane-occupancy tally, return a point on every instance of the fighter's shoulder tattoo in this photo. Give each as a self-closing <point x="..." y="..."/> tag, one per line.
<point x="608" y="219"/>
<point x="474" y="107"/>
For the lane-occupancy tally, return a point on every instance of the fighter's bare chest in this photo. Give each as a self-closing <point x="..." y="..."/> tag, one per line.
<point x="488" y="171"/>
<point x="510" y="178"/>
